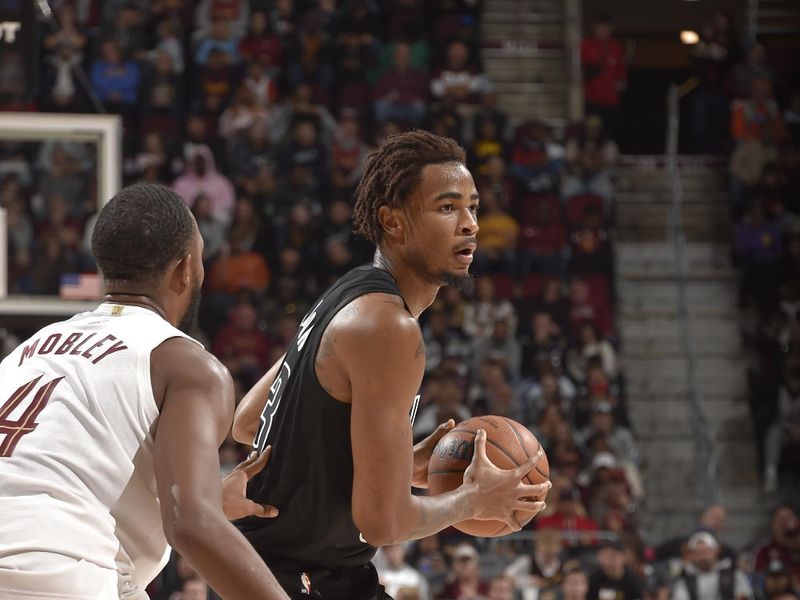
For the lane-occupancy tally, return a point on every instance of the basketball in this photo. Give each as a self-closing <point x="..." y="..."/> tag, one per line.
<point x="508" y="445"/>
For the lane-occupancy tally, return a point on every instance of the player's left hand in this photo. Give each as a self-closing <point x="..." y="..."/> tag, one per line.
<point x="423" y="452"/>
<point x="235" y="504"/>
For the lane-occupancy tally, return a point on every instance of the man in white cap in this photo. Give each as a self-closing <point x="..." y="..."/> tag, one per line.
<point x="706" y="577"/>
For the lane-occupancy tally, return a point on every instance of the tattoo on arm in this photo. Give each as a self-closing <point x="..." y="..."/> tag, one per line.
<point x="438" y="512"/>
<point x="420" y="349"/>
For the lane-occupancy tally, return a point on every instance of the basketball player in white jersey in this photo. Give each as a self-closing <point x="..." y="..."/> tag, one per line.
<point x="110" y="424"/>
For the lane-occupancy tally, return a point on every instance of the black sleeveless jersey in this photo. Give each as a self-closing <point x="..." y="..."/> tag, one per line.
<point x="310" y="475"/>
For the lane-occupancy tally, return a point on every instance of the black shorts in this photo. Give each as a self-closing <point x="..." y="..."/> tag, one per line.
<point x="328" y="583"/>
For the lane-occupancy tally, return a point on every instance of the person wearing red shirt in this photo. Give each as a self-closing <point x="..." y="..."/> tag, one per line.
<point x="569" y="516"/>
<point x="784" y="544"/>
<point x="604" y="72"/>
<point x="467" y="582"/>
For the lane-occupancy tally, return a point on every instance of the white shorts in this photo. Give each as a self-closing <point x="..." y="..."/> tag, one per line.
<point x="47" y="576"/>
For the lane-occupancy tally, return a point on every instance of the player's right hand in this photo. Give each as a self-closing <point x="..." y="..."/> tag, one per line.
<point x="500" y="492"/>
<point x="235" y="503"/>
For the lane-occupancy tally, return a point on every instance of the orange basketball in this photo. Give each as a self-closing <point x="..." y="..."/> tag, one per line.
<point x="508" y="445"/>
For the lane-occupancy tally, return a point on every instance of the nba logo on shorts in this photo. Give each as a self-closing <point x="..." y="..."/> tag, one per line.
<point x="306" y="581"/>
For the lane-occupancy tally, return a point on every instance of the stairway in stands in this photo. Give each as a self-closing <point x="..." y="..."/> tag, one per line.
<point x="523" y="49"/>
<point x="652" y="350"/>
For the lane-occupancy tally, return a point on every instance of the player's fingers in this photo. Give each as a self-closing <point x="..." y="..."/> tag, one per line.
<point x="442" y="430"/>
<point x="533" y="491"/>
<point x="254" y="466"/>
<point x="262" y="510"/>
<point x="529" y="464"/>
<point x="531" y="507"/>
<point x="512" y="522"/>
<point x="480" y="445"/>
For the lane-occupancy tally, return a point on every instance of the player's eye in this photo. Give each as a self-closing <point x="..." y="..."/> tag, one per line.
<point x="446" y="208"/>
<point x="474" y="209"/>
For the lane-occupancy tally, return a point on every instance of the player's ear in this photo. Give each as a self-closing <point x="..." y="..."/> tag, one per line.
<point x="393" y="222"/>
<point x="182" y="274"/>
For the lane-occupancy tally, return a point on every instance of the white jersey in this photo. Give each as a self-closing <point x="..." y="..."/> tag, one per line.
<point x="77" y="418"/>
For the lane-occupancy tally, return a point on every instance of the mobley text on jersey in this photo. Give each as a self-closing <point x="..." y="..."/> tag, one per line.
<point x="77" y="343"/>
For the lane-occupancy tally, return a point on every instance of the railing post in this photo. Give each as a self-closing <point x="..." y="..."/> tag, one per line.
<point x="705" y="456"/>
<point x="573" y="32"/>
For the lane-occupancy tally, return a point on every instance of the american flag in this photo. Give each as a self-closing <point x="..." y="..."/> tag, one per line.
<point x="84" y="286"/>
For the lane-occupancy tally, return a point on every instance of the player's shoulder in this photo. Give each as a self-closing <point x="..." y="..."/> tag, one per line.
<point x="377" y="319"/>
<point x="181" y="357"/>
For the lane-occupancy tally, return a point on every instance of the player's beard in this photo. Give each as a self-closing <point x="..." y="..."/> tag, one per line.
<point x="189" y="320"/>
<point x="461" y="281"/>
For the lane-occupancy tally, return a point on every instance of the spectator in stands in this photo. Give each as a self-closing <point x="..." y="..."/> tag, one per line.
<point x="497" y="236"/>
<point x="447" y="402"/>
<point x="456" y="81"/>
<point x="301" y="104"/>
<point x="620" y="438"/>
<point x="465" y="577"/>
<point x="776" y="581"/>
<point x="441" y="340"/>
<point x="759" y="250"/>
<point x="243" y="114"/>
<point x="263" y="86"/>
<point x="574" y="587"/>
<point x="551" y="300"/>
<point x="241" y="269"/>
<point x="169" y="42"/>
<point x="69" y="36"/>
<point x="590" y="245"/>
<point x="397" y="574"/>
<point x="536" y="159"/>
<point x="222" y="39"/>
<point x="542" y="342"/>
<point x="544" y="389"/>
<point x="486" y="144"/>
<point x="306" y="151"/>
<point x="585" y="308"/>
<point x="501" y="587"/>
<point x="605" y="75"/>
<point x="129" y="31"/>
<point x="758" y="118"/>
<point x="705" y="577"/>
<point x="590" y="343"/>
<point x="785" y="430"/>
<point x="248" y="153"/>
<point x="401" y="93"/>
<point x="569" y="517"/>
<point x="712" y="520"/>
<point x="348" y="153"/>
<point x="194" y="589"/>
<point x="591" y="157"/>
<point x="114" y="79"/>
<point x="612" y="578"/>
<point x="260" y="46"/>
<point x="66" y="176"/>
<point x="201" y="176"/>
<point x="162" y="93"/>
<point x="713" y="56"/>
<point x="213" y="232"/>
<point x="785" y="530"/>
<point x="486" y="309"/>
<point x="61" y="88"/>
<point x="499" y="181"/>
<point x="754" y="66"/>
<point x="209" y="12"/>
<point x="309" y="51"/>
<point x="543" y="567"/>
<point x="493" y="393"/>
<point x="213" y="84"/>
<point x="488" y="111"/>
<point x="240" y="345"/>
<point x="501" y="345"/>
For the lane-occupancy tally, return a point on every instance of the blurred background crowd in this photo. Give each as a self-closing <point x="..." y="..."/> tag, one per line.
<point x="260" y="114"/>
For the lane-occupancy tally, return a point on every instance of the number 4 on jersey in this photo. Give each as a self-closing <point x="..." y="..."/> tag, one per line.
<point x="13" y="430"/>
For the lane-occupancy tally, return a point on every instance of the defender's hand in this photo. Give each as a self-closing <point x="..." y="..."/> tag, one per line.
<point x="501" y="492"/>
<point x="235" y="504"/>
<point x="423" y="452"/>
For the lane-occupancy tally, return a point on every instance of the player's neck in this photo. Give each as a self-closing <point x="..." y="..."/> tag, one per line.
<point x="137" y="299"/>
<point x="417" y="293"/>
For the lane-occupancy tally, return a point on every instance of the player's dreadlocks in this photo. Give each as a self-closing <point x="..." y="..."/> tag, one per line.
<point x="393" y="172"/>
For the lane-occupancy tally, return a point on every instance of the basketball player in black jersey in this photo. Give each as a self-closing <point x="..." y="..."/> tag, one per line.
<point x="336" y="408"/>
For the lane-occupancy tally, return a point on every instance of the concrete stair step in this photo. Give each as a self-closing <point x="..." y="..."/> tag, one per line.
<point x="653" y="233"/>
<point x="674" y="384"/>
<point x="624" y="197"/>
<point x="509" y="28"/>
<point x="549" y="91"/>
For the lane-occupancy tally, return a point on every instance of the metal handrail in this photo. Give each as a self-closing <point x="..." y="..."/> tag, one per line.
<point x="706" y="458"/>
